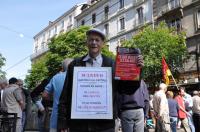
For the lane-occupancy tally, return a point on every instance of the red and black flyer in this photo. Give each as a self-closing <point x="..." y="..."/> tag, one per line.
<point x="126" y="64"/>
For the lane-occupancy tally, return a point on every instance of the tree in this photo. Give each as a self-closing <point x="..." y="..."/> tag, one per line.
<point x="37" y="73"/>
<point x="156" y="43"/>
<point x="71" y="44"/>
<point x="2" y="63"/>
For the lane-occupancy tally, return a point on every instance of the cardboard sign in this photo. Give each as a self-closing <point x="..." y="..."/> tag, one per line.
<point x="92" y="93"/>
<point x="126" y="64"/>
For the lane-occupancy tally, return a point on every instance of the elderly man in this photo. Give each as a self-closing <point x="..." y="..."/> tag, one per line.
<point x="161" y="109"/>
<point x="94" y="58"/>
<point x="196" y="110"/>
<point x="55" y="87"/>
<point x="13" y="101"/>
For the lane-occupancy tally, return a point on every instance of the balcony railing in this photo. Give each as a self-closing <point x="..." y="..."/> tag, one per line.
<point x="137" y="2"/>
<point x="171" y="5"/>
<point x="139" y="22"/>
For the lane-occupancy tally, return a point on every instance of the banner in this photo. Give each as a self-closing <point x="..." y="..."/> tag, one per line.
<point x="92" y="93"/>
<point x="126" y="64"/>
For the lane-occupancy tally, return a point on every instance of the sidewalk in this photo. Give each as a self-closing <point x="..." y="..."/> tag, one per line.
<point x="178" y="130"/>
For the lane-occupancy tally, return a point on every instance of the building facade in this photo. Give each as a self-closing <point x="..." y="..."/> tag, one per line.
<point x="184" y="15"/>
<point x="62" y="24"/>
<point x="119" y="19"/>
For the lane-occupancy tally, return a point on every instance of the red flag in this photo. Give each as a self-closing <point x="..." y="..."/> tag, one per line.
<point x="166" y="71"/>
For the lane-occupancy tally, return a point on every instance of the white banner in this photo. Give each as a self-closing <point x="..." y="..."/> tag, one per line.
<point x="92" y="93"/>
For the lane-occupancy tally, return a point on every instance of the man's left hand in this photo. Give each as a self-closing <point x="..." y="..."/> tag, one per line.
<point x="140" y="61"/>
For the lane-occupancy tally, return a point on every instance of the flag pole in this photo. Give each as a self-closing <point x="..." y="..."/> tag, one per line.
<point x="175" y="82"/>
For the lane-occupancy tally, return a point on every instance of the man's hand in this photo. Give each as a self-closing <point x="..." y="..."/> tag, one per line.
<point x="188" y="114"/>
<point x="63" y="130"/>
<point x="140" y="61"/>
<point x="45" y="95"/>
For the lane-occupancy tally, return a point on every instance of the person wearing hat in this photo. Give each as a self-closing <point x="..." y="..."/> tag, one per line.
<point x="94" y="58"/>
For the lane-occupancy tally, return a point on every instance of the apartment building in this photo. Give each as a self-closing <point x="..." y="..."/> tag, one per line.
<point x="62" y="24"/>
<point x="184" y="15"/>
<point x="119" y="19"/>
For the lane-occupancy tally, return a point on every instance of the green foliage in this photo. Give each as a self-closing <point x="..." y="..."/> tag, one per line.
<point x="155" y="43"/>
<point x="2" y="63"/>
<point x="37" y="73"/>
<point x="71" y="44"/>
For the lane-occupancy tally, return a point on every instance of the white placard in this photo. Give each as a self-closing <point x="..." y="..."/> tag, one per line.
<point x="92" y="93"/>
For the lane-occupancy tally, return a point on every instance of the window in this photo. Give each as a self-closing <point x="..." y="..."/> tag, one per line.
<point x="122" y="23"/>
<point x="70" y="19"/>
<point x="176" y="23"/>
<point x="42" y="45"/>
<point x="106" y="27"/>
<point x="121" y="4"/>
<point x="43" y="37"/>
<point x="62" y="24"/>
<point x="106" y="10"/>
<point x="140" y="15"/>
<point x="198" y="19"/>
<point x="55" y="30"/>
<point x="36" y="46"/>
<point x="121" y="41"/>
<point x="173" y="4"/>
<point x="49" y="33"/>
<point x="93" y="18"/>
<point x="83" y="22"/>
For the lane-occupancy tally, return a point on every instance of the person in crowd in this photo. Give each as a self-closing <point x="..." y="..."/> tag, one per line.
<point x="182" y="113"/>
<point x="188" y="107"/>
<point x="12" y="101"/>
<point x="161" y="109"/>
<point x="94" y="58"/>
<point x="134" y="105"/>
<point x="196" y="110"/>
<point x="3" y="85"/>
<point x="151" y="109"/>
<point x="41" y="104"/>
<point x="173" y="110"/>
<point x="55" y="87"/>
<point x="27" y="101"/>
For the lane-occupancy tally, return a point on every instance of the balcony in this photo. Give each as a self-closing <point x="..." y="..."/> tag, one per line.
<point x="69" y="27"/>
<point x="139" y="22"/>
<point x="171" y="6"/>
<point x="39" y="52"/>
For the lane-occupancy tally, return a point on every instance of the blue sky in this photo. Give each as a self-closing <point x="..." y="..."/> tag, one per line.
<point x="26" y="17"/>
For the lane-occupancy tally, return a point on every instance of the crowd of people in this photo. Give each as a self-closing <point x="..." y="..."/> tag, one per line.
<point x="131" y="102"/>
<point x="174" y="109"/>
<point x="14" y="99"/>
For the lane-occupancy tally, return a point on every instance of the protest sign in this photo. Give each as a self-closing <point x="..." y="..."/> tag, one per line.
<point x="92" y="93"/>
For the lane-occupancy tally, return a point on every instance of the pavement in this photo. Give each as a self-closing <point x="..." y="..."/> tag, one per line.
<point x="178" y="130"/>
<point x="150" y="130"/>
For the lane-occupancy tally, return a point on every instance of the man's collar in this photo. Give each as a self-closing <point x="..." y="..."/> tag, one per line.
<point x="88" y="57"/>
